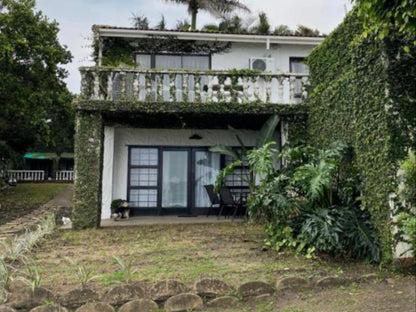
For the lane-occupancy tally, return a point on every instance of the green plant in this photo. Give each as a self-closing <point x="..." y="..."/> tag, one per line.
<point x="32" y="277"/>
<point x="264" y="136"/>
<point x="85" y="275"/>
<point x="116" y="204"/>
<point x="126" y="266"/>
<point x="6" y="275"/>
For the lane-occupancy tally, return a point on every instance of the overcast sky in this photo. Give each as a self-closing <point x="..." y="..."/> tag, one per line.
<point x="76" y="17"/>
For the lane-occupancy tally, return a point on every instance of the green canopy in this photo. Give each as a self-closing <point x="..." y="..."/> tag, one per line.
<point x="47" y="155"/>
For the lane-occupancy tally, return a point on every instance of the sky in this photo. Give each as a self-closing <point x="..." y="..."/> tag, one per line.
<point x="75" y="18"/>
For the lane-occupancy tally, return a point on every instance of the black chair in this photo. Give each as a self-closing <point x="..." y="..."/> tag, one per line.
<point x="214" y="199"/>
<point x="228" y="201"/>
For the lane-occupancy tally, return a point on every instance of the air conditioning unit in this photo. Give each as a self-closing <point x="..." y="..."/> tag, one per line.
<point x="262" y="63"/>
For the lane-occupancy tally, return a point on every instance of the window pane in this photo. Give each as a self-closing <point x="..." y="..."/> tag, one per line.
<point x="168" y="61"/>
<point x="144" y="61"/>
<point x="298" y="66"/>
<point x="143" y="177"/>
<point x="200" y="62"/>
<point x="143" y="198"/>
<point x="144" y="156"/>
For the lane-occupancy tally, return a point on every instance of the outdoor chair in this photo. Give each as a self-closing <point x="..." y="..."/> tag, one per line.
<point x="228" y="201"/>
<point x="213" y="197"/>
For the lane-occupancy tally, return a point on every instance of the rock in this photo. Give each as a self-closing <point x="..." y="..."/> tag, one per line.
<point x="292" y="283"/>
<point x="26" y="299"/>
<point x="4" y="308"/>
<point x="49" y="308"/>
<point x="184" y="302"/>
<point x="141" y="305"/>
<point x="225" y="302"/>
<point x="166" y="289"/>
<point x="367" y="278"/>
<point x="119" y="295"/>
<point x="77" y="297"/>
<point x="255" y="288"/>
<point x="95" y="307"/>
<point x="263" y="298"/>
<point x="141" y="289"/>
<point x="331" y="281"/>
<point x="211" y="287"/>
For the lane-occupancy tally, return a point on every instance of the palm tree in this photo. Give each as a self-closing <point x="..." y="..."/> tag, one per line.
<point x="215" y="7"/>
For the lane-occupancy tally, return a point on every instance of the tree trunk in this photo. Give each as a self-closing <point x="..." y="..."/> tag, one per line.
<point x="193" y="24"/>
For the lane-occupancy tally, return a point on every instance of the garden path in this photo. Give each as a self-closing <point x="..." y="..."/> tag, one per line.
<point x="62" y="199"/>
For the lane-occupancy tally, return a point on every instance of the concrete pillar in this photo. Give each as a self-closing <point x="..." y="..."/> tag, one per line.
<point x="107" y="181"/>
<point x="88" y="170"/>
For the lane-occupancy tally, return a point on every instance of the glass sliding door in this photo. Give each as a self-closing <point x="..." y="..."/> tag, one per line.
<point x="175" y="179"/>
<point x="207" y="166"/>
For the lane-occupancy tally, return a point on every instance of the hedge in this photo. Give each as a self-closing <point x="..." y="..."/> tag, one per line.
<point x="363" y="92"/>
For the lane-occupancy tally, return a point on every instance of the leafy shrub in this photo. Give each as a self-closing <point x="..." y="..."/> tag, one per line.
<point x="406" y="214"/>
<point x="311" y="205"/>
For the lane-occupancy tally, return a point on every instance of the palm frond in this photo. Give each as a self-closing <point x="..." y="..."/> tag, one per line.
<point x="267" y="131"/>
<point x="226" y="150"/>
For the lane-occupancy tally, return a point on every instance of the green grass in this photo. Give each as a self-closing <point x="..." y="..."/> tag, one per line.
<point x="25" y="197"/>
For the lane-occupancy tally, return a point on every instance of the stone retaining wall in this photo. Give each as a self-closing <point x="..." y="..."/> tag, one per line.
<point x="170" y="295"/>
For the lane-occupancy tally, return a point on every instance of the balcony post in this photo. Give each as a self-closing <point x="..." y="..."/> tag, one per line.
<point x="88" y="170"/>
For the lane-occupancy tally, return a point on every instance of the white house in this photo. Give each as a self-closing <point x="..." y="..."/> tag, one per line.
<point x="161" y="116"/>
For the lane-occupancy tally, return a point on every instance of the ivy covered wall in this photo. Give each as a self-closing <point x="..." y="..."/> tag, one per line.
<point x="89" y="136"/>
<point x="364" y="94"/>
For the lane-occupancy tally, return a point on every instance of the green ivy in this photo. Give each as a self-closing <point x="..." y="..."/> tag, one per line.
<point x="363" y="93"/>
<point x="89" y="137"/>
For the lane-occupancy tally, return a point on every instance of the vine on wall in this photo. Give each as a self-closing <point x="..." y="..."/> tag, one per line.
<point x="363" y="95"/>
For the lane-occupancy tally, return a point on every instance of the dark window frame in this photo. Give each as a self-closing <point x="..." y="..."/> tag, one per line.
<point x="153" y="57"/>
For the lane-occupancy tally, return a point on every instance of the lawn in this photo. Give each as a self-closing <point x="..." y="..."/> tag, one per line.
<point x="230" y="251"/>
<point x="25" y="197"/>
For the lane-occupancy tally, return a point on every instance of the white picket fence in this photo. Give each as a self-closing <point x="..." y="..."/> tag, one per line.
<point x="39" y="175"/>
<point x="26" y="175"/>
<point x="64" y="175"/>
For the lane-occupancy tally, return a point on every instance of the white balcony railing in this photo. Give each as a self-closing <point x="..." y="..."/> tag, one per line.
<point x="64" y="175"/>
<point x="26" y="175"/>
<point x="192" y="86"/>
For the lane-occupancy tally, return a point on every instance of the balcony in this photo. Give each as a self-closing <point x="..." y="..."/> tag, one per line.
<point x="194" y="87"/>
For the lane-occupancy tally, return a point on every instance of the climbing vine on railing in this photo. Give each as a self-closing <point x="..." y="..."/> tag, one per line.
<point x="363" y="93"/>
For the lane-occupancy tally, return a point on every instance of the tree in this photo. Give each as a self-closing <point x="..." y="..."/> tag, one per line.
<point x="32" y="90"/>
<point x="384" y="17"/>
<point x="282" y="30"/>
<point x="233" y="24"/>
<point x="214" y="7"/>
<point x="263" y="25"/>
<point x="140" y="22"/>
<point x="306" y="31"/>
<point x="162" y="23"/>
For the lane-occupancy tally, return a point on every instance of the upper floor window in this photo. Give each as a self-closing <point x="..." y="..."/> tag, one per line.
<point x="174" y="61"/>
<point x="297" y="65"/>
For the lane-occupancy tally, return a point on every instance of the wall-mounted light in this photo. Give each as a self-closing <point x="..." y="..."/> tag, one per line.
<point x="195" y="136"/>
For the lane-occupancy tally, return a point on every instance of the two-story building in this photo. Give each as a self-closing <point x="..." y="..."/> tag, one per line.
<point x="146" y="119"/>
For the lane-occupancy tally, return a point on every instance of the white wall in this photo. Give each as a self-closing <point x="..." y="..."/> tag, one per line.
<point x="117" y="140"/>
<point x="239" y="55"/>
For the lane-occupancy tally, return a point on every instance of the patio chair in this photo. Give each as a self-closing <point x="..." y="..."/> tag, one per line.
<point x="228" y="201"/>
<point x="213" y="197"/>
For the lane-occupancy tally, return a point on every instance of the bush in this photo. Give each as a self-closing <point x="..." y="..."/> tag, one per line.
<point x="311" y="205"/>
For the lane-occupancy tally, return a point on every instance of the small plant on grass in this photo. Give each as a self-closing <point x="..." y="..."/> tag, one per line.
<point x="126" y="266"/>
<point x="6" y="275"/>
<point x="32" y="277"/>
<point x="13" y="249"/>
<point x="85" y="275"/>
